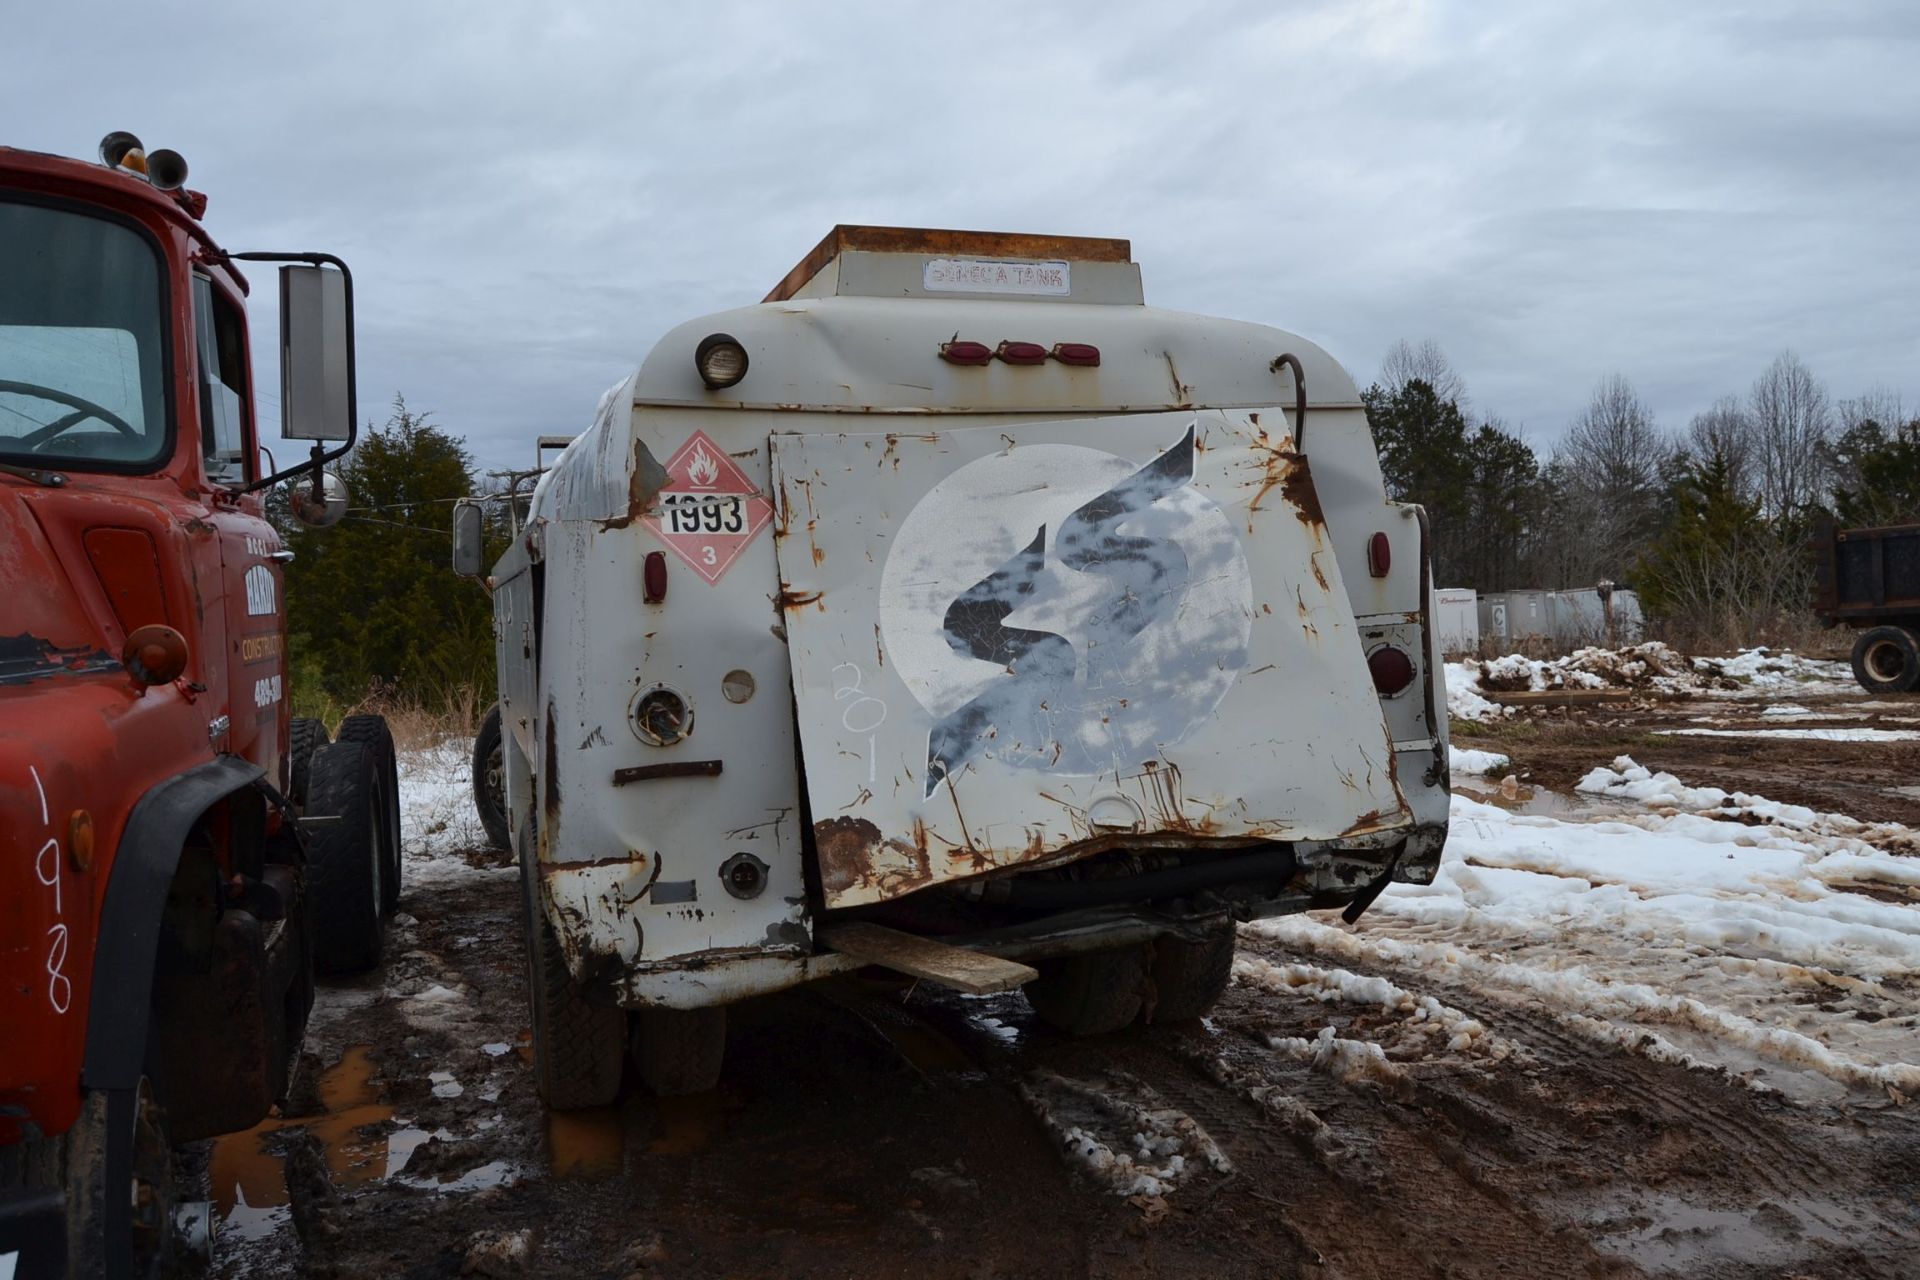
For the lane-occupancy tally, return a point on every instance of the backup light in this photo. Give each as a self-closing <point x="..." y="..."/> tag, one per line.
<point x="721" y="360"/>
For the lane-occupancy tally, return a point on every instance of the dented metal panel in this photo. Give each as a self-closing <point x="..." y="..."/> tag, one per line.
<point x="1016" y="644"/>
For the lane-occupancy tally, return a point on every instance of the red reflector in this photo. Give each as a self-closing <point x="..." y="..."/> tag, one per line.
<point x="1022" y="352"/>
<point x="1076" y="353"/>
<point x="957" y="352"/>
<point x="654" y="577"/>
<point x="1379" y="555"/>
<point x="1392" y="670"/>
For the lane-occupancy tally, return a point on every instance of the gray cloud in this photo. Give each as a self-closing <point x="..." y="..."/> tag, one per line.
<point x="1551" y="191"/>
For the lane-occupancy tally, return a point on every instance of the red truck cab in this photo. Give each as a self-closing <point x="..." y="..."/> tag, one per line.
<point x="157" y="906"/>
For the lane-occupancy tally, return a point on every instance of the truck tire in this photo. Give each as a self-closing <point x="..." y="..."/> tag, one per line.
<point x="679" y="1051"/>
<point x="1092" y="993"/>
<point x="75" y="1163"/>
<point x="305" y="735"/>
<point x="579" y="1048"/>
<point x="490" y="779"/>
<point x="1886" y="660"/>
<point x="346" y="796"/>
<point x="372" y="732"/>
<point x="1190" y="977"/>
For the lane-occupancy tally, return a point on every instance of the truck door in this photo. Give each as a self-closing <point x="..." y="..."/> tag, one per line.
<point x="255" y="614"/>
<point x="1020" y="644"/>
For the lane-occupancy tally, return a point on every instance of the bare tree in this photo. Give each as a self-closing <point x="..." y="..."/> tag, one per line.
<point x="1792" y="419"/>
<point x="1426" y="363"/>
<point x="1613" y="463"/>
<point x="1726" y="431"/>
<point x="1882" y="405"/>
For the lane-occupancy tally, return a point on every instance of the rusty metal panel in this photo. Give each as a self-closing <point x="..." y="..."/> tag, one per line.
<point x="1019" y="644"/>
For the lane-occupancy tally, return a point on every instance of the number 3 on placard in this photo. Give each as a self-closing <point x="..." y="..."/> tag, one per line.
<point x="708" y="555"/>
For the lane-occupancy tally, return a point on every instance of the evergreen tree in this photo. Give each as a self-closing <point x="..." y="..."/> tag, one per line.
<point x="1877" y="474"/>
<point x="1422" y="441"/>
<point x="372" y="602"/>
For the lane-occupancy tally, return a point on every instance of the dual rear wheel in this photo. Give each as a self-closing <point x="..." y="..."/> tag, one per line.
<point x="349" y="795"/>
<point x="581" y="1046"/>
<point x="1171" y="979"/>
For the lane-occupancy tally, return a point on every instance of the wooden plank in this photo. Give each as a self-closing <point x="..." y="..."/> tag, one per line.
<point x="973" y="972"/>
<point x="1557" y="697"/>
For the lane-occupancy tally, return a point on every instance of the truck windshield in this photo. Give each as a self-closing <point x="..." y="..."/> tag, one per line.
<point x="81" y="347"/>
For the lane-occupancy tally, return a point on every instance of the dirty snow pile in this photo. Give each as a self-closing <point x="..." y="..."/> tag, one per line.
<point x="1770" y="670"/>
<point x="1121" y="1133"/>
<point x="1653" y="668"/>
<point x="438" y="822"/>
<point x="1718" y="930"/>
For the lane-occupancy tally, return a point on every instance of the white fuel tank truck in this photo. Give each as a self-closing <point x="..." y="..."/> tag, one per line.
<point x="955" y="611"/>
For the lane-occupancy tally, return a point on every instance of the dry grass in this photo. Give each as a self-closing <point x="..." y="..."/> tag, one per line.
<point x="417" y="722"/>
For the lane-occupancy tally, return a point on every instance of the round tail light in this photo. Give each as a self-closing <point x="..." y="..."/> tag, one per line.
<point x="1392" y="670"/>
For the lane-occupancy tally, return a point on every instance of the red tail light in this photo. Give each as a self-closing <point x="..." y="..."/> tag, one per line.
<point x="1022" y="353"/>
<point x="1391" y="668"/>
<point x="654" y="577"/>
<point x="1082" y="353"/>
<point x="957" y="352"/>
<point x="1379" y="555"/>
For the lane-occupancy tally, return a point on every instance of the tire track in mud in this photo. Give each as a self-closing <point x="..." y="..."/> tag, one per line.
<point x="1610" y="1140"/>
<point x="1362" y="1183"/>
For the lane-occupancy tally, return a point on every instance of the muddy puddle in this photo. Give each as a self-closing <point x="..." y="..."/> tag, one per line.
<point x="1518" y="797"/>
<point x="359" y="1135"/>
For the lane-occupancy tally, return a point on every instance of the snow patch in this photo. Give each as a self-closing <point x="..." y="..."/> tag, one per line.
<point x="1859" y="734"/>
<point x="1468" y="760"/>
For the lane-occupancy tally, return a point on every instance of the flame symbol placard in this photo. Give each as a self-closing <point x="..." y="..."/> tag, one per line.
<point x="702" y="471"/>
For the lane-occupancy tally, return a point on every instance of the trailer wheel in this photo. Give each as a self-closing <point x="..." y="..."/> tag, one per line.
<point x="373" y="733"/>
<point x="1886" y="660"/>
<point x="679" y="1051"/>
<point x="490" y="779"/>
<point x="1092" y="993"/>
<point x="579" y="1048"/>
<point x="1190" y="977"/>
<point x="305" y="735"/>
<point x="346" y="796"/>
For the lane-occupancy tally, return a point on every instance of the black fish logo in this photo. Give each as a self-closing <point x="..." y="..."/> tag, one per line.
<point x="1144" y="577"/>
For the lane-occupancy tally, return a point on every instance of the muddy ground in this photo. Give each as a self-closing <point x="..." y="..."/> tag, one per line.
<point x="868" y="1127"/>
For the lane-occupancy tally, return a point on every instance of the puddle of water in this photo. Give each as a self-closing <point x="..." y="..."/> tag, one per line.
<point x="1521" y="798"/>
<point x="584" y="1144"/>
<point x="688" y="1125"/>
<point x="925" y="1047"/>
<point x="249" y="1182"/>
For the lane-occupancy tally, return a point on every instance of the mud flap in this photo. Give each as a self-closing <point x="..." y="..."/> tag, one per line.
<point x="1365" y="898"/>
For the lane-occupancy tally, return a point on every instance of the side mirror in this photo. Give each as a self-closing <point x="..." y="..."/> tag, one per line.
<point x="468" y="530"/>
<point x="317" y="506"/>
<point x="316" y="354"/>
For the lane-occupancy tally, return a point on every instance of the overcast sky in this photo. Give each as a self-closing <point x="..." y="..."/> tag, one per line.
<point x="1677" y="191"/>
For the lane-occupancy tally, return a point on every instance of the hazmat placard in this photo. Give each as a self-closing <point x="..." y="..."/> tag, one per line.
<point x="710" y="510"/>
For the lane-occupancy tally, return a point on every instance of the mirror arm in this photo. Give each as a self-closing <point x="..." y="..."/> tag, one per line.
<point x="320" y="456"/>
